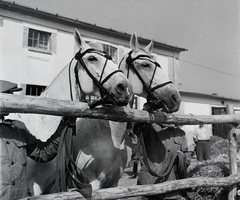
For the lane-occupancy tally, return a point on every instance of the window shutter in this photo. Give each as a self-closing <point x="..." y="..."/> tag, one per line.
<point x="120" y="52"/>
<point x="25" y="37"/>
<point x="54" y="43"/>
<point x="1" y="21"/>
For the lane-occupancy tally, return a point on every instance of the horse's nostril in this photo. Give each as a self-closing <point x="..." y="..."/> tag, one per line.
<point x="121" y="87"/>
<point x="174" y="98"/>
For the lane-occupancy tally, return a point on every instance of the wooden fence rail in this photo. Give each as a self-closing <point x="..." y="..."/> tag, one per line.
<point x="27" y="104"/>
<point x="140" y="190"/>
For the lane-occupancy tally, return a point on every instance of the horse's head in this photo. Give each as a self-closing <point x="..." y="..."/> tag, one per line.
<point x="148" y="79"/>
<point x="98" y="75"/>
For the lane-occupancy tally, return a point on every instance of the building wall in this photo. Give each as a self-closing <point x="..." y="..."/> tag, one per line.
<point x="11" y="46"/>
<point x="21" y="65"/>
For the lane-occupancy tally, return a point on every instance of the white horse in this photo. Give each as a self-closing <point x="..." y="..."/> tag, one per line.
<point x="92" y="72"/>
<point x="101" y="153"/>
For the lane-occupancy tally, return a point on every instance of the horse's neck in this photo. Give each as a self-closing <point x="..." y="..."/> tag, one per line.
<point x="64" y="86"/>
<point x="118" y="130"/>
<point x="43" y="126"/>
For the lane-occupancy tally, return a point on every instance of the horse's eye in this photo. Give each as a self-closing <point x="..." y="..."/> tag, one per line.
<point x="145" y="65"/>
<point x="92" y="58"/>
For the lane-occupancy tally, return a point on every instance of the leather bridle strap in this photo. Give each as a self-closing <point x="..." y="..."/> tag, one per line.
<point x="160" y="85"/>
<point x="105" y="94"/>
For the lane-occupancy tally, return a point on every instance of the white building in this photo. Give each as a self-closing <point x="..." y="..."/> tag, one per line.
<point x="35" y="46"/>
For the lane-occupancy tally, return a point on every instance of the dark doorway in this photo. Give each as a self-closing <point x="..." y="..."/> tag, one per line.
<point x="220" y="130"/>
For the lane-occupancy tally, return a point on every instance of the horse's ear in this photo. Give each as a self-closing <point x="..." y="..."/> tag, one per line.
<point x="149" y="47"/>
<point x="79" y="40"/>
<point x="134" y="42"/>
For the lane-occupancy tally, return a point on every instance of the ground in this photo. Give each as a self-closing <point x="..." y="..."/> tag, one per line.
<point x="126" y="181"/>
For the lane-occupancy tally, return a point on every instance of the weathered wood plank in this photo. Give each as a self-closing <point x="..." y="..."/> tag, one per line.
<point x="140" y="190"/>
<point x="27" y="104"/>
<point x="232" y="139"/>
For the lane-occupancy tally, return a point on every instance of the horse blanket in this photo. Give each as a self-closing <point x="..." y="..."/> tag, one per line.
<point x="163" y="155"/>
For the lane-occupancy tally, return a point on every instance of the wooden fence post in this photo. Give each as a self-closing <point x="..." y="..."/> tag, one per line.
<point x="232" y="139"/>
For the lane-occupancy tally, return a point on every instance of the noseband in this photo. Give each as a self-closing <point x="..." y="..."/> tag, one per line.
<point x="106" y="96"/>
<point x="152" y="100"/>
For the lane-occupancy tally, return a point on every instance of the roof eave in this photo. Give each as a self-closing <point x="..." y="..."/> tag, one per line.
<point x="76" y="23"/>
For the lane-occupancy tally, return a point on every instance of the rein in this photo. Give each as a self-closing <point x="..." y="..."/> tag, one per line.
<point x="106" y="95"/>
<point x="152" y="99"/>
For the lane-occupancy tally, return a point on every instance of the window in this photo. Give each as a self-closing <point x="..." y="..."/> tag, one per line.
<point x="112" y="51"/>
<point x="39" y="40"/>
<point x="34" y="90"/>
<point x="237" y="111"/>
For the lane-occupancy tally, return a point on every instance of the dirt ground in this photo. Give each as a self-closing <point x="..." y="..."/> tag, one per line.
<point x="126" y="181"/>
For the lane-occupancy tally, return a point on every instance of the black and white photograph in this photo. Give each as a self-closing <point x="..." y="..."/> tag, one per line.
<point x="120" y="99"/>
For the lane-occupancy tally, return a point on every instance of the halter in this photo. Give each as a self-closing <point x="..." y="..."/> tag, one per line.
<point x="106" y="95"/>
<point x="152" y="100"/>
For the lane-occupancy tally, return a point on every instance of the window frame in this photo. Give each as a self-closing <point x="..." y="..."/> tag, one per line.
<point x="110" y="46"/>
<point x="38" y="89"/>
<point x="39" y="40"/>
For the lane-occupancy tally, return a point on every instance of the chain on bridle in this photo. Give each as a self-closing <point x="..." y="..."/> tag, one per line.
<point x="107" y="97"/>
<point x="152" y="100"/>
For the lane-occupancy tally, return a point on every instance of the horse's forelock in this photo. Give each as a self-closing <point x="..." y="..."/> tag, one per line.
<point x="143" y="51"/>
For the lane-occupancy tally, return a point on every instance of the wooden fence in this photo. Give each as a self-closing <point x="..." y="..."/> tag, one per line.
<point x="27" y="104"/>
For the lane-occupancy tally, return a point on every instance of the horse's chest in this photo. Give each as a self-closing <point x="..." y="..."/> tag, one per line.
<point x="98" y="143"/>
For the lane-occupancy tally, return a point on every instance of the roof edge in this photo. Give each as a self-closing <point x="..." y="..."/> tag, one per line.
<point x="12" y="6"/>
<point x="207" y="95"/>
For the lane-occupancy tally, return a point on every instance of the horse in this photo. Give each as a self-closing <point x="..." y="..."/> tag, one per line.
<point x="101" y="153"/>
<point x="91" y="72"/>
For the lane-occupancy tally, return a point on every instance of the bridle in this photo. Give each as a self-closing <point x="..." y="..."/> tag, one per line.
<point x="107" y="97"/>
<point x="152" y="100"/>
